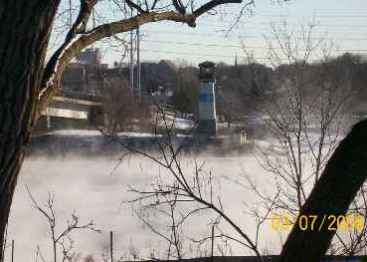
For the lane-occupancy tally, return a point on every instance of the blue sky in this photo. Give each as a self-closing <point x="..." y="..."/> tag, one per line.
<point x="344" y="22"/>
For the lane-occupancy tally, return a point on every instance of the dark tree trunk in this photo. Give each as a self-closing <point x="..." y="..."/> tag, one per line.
<point x="343" y="176"/>
<point x="25" y="27"/>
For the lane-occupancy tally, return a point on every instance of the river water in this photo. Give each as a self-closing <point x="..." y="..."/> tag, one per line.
<point x="96" y="188"/>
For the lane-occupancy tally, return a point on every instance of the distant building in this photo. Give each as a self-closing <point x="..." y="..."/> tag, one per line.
<point x="91" y="56"/>
<point x="84" y="78"/>
<point x="79" y="103"/>
<point x="159" y="80"/>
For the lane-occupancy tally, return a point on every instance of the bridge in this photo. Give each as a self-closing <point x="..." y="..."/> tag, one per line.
<point x="72" y="111"/>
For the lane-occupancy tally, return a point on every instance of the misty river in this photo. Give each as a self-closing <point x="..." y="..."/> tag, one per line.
<point x="96" y="188"/>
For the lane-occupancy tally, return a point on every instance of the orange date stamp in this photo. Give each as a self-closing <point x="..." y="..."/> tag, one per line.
<point x="347" y="222"/>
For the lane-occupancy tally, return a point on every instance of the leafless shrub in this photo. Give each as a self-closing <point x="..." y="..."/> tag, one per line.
<point x="125" y="109"/>
<point x="61" y="239"/>
<point x="306" y="113"/>
<point x="176" y="197"/>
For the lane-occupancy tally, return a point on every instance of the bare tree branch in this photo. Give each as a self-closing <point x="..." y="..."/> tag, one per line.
<point x="212" y="4"/>
<point x="73" y="46"/>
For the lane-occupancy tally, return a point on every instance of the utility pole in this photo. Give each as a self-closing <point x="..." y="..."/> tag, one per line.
<point x="93" y="19"/>
<point x="12" y="250"/>
<point x="70" y="15"/>
<point x="131" y="56"/>
<point x="138" y="84"/>
<point x="212" y="249"/>
<point x="111" y="245"/>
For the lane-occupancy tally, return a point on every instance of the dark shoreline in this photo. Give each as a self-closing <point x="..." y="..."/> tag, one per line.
<point x="54" y="145"/>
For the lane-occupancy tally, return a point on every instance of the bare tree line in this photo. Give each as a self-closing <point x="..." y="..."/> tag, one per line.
<point x="29" y="81"/>
<point x="307" y="114"/>
<point x="28" y="84"/>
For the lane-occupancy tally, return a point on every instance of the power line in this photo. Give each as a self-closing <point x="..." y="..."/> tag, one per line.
<point x="267" y="22"/>
<point x="251" y="23"/>
<point x="265" y="25"/>
<point x="191" y="43"/>
<point x="314" y="15"/>
<point x="211" y="55"/>
<point x="249" y="26"/>
<point x="201" y="54"/>
<point x="231" y="46"/>
<point x="188" y="54"/>
<point x="248" y="36"/>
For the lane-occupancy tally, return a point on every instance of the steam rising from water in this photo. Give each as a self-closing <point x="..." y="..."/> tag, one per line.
<point x="87" y="186"/>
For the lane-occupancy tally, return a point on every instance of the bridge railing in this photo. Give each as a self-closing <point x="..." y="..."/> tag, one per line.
<point x="81" y="95"/>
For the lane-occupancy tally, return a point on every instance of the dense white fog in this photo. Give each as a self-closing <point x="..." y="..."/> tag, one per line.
<point x="90" y="188"/>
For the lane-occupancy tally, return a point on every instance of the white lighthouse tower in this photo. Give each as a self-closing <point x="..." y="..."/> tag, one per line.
<point x="207" y="112"/>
